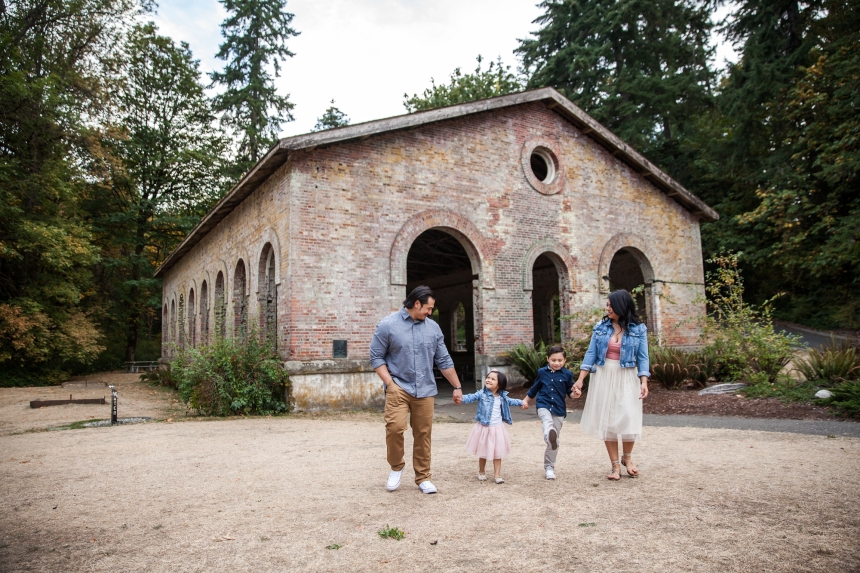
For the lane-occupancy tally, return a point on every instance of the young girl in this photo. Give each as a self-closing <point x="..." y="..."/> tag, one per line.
<point x="489" y="439"/>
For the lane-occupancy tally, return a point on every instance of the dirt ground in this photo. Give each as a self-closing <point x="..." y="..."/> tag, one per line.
<point x="136" y="398"/>
<point x="306" y="493"/>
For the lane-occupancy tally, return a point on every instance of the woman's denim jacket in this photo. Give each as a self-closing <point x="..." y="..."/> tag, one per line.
<point x="485" y="405"/>
<point x="634" y="348"/>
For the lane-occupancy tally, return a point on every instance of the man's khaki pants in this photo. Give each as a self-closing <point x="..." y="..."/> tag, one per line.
<point x="420" y="410"/>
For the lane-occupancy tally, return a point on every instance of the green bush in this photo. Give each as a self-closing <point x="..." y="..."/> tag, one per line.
<point x="784" y="387"/>
<point x="740" y="337"/>
<point x="159" y="377"/>
<point x="830" y="365"/>
<point x="845" y="399"/>
<point x="231" y="377"/>
<point x="528" y="359"/>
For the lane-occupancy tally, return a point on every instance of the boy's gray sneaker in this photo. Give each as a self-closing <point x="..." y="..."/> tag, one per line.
<point x="550" y="473"/>
<point x="553" y="439"/>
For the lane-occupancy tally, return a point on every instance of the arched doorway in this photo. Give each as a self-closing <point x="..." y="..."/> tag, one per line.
<point x="546" y="304"/>
<point x="220" y="307"/>
<point x="438" y="259"/>
<point x="192" y="319"/>
<point x="630" y="269"/>
<point x="204" y="313"/>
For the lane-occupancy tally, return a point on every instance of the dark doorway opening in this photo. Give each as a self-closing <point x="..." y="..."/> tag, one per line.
<point x="438" y="260"/>
<point x="625" y="271"/>
<point x="546" y="311"/>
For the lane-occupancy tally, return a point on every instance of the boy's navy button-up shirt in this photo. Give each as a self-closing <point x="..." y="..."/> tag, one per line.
<point x="551" y="389"/>
<point x="410" y="348"/>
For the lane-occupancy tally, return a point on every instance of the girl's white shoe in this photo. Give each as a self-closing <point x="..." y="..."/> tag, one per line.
<point x="482" y="477"/>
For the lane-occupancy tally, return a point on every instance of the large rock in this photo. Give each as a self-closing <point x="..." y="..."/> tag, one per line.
<point x="723" y="388"/>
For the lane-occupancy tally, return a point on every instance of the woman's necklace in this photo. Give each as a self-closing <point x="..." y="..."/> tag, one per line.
<point x="616" y="334"/>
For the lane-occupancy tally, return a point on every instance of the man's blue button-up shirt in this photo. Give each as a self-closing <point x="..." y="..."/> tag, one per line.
<point x="410" y="348"/>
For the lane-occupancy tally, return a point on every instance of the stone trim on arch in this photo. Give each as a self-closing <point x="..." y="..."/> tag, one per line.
<point x="645" y="255"/>
<point x="547" y="245"/>
<point x="472" y="240"/>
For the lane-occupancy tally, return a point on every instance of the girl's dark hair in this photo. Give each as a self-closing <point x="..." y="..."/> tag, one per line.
<point x="622" y="304"/>
<point x="421" y="293"/>
<point x="503" y="380"/>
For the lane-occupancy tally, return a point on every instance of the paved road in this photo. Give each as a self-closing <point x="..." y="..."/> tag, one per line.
<point x="812" y="338"/>
<point x="466" y="412"/>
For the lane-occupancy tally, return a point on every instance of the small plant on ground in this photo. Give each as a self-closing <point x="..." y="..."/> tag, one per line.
<point x="528" y="359"/>
<point x="391" y="532"/>
<point x="830" y="365"/>
<point x="673" y="367"/>
<point x="231" y="377"/>
<point x="333" y="546"/>
<point x="162" y="376"/>
<point x="845" y="398"/>
<point x="786" y="388"/>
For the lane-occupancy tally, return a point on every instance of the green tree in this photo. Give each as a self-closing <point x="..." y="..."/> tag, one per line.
<point x="164" y="163"/>
<point x="255" y="35"/>
<point x="332" y="118"/>
<point x="639" y="67"/>
<point x="53" y="57"/>
<point x="496" y="80"/>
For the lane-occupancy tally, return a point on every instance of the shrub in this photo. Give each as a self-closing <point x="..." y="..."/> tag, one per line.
<point x="784" y="387"/>
<point x="159" y="377"/>
<point x="831" y="364"/>
<point x="673" y="367"/>
<point x="231" y="377"/>
<point x="528" y="359"/>
<point x="845" y="399"/>
<point x="741" y="337"/>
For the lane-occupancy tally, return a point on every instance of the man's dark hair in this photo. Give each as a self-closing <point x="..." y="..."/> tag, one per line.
<point x="422" y="293"/>
<point x="555" y="350"/>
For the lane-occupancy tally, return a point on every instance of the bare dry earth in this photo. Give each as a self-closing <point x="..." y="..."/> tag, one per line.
<point x="270" y="494"/>
<point x="136" y="398"/>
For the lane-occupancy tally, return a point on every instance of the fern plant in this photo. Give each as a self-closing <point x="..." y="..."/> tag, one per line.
<point x="528" y="359"/>
<point x="831" y="364"/>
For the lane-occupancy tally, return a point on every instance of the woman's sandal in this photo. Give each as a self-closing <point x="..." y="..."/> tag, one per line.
<point x="615" y="474"/>
<point x="632" y="470"/>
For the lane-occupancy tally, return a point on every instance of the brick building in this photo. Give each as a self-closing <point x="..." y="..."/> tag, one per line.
<point x="517" y="210"/>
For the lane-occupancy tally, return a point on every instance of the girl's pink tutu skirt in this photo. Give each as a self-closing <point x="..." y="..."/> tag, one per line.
<point x="489" y="442"/>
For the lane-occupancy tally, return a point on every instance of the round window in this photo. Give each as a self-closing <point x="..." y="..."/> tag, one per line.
<point x="542" y="165"/>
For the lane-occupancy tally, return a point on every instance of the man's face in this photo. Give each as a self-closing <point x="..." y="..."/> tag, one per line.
<point x="422" y="311"/>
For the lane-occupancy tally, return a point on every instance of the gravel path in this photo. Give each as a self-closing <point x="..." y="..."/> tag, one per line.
<point x="273" y="494"/>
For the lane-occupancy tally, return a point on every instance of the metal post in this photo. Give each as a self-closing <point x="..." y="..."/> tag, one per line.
<point x="113" y="405"/>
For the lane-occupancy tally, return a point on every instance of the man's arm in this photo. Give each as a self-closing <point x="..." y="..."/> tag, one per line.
<point x="385" y="375"/>
<point x="378" y="352"/>
<point x="450" y="375"/>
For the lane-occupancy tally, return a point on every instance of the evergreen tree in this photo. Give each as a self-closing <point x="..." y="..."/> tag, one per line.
<point x="53" y="57"/>
<point x="640" y="67"/>
<point x="496" y="80"/>
<point x="164" y="160"/>
<point x="255" y="35"/>
<point x="332" y="118"/>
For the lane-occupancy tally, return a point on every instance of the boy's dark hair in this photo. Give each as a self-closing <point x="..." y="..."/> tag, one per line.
<point x="503" y="380"/>
<point x="622" y="304"/>
<point x="421" y="293"/>
<point x="555" y="350"/>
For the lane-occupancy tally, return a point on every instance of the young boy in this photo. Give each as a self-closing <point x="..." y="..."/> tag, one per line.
<point x="554" y="383"/>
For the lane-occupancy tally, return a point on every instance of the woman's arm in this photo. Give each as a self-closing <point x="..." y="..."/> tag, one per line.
<point x="587" y="364"/>
<point x="643" y="365"/>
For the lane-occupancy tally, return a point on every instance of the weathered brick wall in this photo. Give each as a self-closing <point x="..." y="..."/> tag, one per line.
<point x="344" y="214"/>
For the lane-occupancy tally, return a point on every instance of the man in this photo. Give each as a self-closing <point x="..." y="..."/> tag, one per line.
<point x="405" y="346"/>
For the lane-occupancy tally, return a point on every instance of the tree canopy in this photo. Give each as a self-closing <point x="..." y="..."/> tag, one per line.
<point x="332" y="118"/>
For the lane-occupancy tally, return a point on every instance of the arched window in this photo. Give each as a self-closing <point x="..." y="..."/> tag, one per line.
<point x="268" y="297"/>
<point x="192" y="319"/>
<point x="240" y="303"/>
<point x="172" y="326"/>
<point x="165" y="330"/>
<point x="181" y="315"/>
<point x="204" y="313"/>
<point x="546" y="308"/>
<point x="458" y="329"/>
<point x="220" y="307"/>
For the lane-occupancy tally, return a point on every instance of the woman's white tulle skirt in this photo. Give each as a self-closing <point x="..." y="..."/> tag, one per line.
<point x="613" y="409"/>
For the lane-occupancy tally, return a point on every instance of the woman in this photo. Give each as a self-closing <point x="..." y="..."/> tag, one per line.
<point x="618" y="358"/>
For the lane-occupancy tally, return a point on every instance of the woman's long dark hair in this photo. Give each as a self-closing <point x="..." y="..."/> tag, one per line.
<point x="622" y="304"/>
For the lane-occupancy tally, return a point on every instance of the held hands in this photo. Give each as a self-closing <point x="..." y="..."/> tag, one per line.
<point x="576" y="392"/>
<point x="458" y="396"/>
<point x="525" y="405"/>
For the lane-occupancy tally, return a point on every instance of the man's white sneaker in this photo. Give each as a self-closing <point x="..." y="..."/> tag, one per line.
<point x="393" y="480"/>
<point x="550" y="473"/>
<point x="427" y="487"/>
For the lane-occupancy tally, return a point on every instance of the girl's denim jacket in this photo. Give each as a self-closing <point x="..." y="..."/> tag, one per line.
<point x="634" y="348"/>
<point x="485" y="405"/>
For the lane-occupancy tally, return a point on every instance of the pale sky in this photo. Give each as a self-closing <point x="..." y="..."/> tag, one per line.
<point x="365" y="54"/>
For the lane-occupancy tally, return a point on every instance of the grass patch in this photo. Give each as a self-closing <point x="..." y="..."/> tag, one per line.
<point x="333" y="546"/>
<point x="391" y="533"/>
<point x="589" y="524"/>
